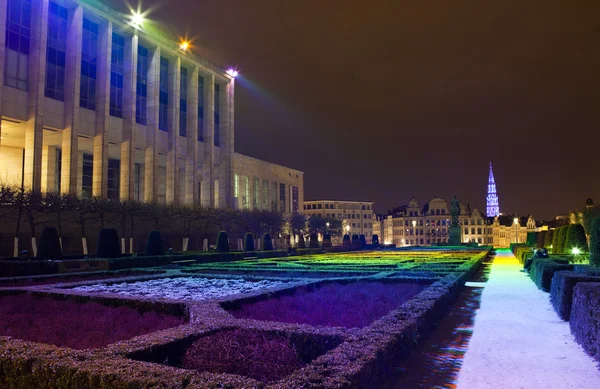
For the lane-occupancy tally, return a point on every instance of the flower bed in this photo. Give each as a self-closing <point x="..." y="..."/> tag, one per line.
<point x="182" y="288"/>
<point x="76" y="324"/>
<point x="354" y="304"/>
<point x="63" y="278"/>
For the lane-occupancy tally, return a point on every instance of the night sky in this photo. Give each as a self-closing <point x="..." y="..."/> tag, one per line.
<point x="384" y="100"/>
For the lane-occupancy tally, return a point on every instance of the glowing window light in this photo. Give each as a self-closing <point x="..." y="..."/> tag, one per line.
<point x="232" y="72"/>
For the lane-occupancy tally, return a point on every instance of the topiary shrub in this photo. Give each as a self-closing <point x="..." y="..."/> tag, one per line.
<point x="326" y="241"/>
<point x="313" y="243"/>
<point x="541" y="237"/>
<point x="555" y="240"/>
<point x="576" y="239"/>
<point x="531" y="238"/>
<point x="49" y="245"/>
<point x="301" y="243"/>
<point x="548" y="238"/>
<point x="562" y="240"/>
<point x="222" y="242"/>
<point x="154" y="244"/>
<point x="355" y="241"/>
<point x="346" y="240"/>
<point x="109" y="245"/>
<point x="595" y="243"/>
<point x="248" y="242"/>
<point x="375" y="239"/>
<point x="267" y="242"/>
<point x="362" y="240"/>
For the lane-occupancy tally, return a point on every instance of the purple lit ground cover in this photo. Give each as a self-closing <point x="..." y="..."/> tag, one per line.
<point x="354" y="304"/>
<point x="58" y="280"/>
<point x="182" y="288"/>
<point x="74" y="324"/>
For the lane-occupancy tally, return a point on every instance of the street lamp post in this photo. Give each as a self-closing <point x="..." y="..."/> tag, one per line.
<point x="414" y="224"/>
<point x="516" y="221"/>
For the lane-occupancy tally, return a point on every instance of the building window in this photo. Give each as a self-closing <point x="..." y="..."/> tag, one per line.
<point x="274" y="197"/>
<point x="87" y="176"/>
<point x="217" y="113"/>
<point x="473" y="231"/>
<point x="56" y="52"/>
<point x="58" y="167"/>
<point x="183" y="89"/>
<point x="265" y="194"/>
<point x="18" y="32"/>
<point x="89" y="57"/>
<point x="466" y="231"/>
<point x="246" y="196"/>
<point x="163" y="97"/>
<point x="236" y="185"/>
<point x="137" y="174"/>
<point x="113" y="184"/>
<point x="200" y="108"/>
<point x="282" y="203"/>
<point x="141" y="90"/>
<point x="479" y="231"/>
<point x="117" y="62"/>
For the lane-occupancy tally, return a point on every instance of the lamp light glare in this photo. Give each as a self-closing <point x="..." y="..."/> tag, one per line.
<point x="576" y="251"/>
<point x="232" y="72"/>
<point x="184" y="45"/>
<point x="137" y="18"/>
<point x="515" y="220"/>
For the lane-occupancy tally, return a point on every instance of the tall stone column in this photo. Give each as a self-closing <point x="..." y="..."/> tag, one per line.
<point x="150" y="159"/>
<point x="49" y="169"/>
<point x="36" y="79"/>
<point x="227" y="132"/>
<point x="72" y="81"/>
<point x="129" y="98"/>
<point x="100" y="179"/>
<point x="191" y="179"/>
<point x="208" y="165"/>
<point x="173" y="134"/>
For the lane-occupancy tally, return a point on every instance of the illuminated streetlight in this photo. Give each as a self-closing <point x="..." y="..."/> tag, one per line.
<point x="576" y="251"/>
<point x="347" y="227"/>
<point x="184" y="45"/>
<point x="232" y="72"/>
<point x="137" y="18"/>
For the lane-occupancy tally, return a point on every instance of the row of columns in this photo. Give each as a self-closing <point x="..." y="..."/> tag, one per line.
<point x="195" y="171"/>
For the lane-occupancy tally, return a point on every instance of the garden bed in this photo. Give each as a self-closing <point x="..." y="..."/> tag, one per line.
<point x="182" y="288"/>
<point x="76" y="324"/>
<point x="49" y="280"/>
<point x="337" y="304"/>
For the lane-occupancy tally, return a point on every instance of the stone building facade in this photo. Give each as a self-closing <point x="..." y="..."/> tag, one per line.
<point x="93" y="104"/>
<point x="357" y="217"/>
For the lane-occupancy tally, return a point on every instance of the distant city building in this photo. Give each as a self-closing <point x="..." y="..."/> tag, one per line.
<point x="493" y="208"/>
<point x="357" y="217"/>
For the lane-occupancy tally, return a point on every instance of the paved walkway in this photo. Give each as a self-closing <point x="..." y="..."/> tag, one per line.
<point x="519" y="341"/>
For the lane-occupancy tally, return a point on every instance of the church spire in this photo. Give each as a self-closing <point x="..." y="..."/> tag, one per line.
<point x="493" y="208"/>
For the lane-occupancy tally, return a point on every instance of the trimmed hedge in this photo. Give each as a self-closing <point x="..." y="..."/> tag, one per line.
<point x="109" y="245"/>
<point x="375" y="239"/>
<point x="561" y="290"/>
<point x="595" y="243"/>
<point x="326" y="241"/>
<point x="548" y="238"/>
<point x="585" y="317"/>
<point x="313" y="242"/>
<point x="222" y="242"/>
<point x="562" y="240"/>
<point x="576" y="239"/>
<point x="49" y="245"/>
<point x="346" y="240"/>
<point x="542" y="271"/>
<point x="154" y="244"/>
<point x="249" y="242"/>
<point x="267" y="242"/>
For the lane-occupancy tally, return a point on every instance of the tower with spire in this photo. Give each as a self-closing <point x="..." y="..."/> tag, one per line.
<point x="493" y="209"/>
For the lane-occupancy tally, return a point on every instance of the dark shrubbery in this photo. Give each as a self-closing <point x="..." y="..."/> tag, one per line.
<point x="561" y="290"/>
<point x="326" y="241"/>
<point x="548" y="238"/>
<point x="346" y="240"/>
<point x="562" y="240"/>
<point x="532" y="238"/>
<point x="49" y="246"/>
<point x="542" y="271"/>
<point x="154" y="244"/>
<point x="355" y="241"/>
<point x="362" y="240"/>
<point x="585" y="317"/>
<point x="109" y="245"/>
<point x="576" y="239"/>
<point x="301" y="243"/>
<point x="375" y="239"/>
<point x="222" y="242"/>
<point x="267" y="242"/>
<point x="248" y="242"/>
<point x="595" y="243"/>
<point x="313" y="243"/>
<point x="541" y="238"/>
<point x="555" y="234"/>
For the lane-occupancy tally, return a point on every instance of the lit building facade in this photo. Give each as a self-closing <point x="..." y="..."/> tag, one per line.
<point x="92" y="104"/>
<point x="357" y="217"/>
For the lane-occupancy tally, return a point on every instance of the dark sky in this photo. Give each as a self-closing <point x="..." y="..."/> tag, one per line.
<point x="384" y="100"/>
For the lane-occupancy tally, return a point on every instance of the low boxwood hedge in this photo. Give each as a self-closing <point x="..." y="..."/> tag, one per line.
<point x="585" y="317"/>
<point x="543" y="269"/>
<point x="561" y="290"/>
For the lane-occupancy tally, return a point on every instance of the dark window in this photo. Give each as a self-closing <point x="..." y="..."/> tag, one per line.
<point x="201" y="108"/>
<point x="117" y="63"/>
<point x="56" y="52"/>
<point x="141" y="90"/>
<point x="114" y="169"/>
<point x="183" y="102"/>
<point x="18" y="32"/>
<point x="87" y="175"/>
<point x="217" y="112"/>
<point x="89" y="57"/>
<point x="163" y="97"/>
<point x="282" y="203"/>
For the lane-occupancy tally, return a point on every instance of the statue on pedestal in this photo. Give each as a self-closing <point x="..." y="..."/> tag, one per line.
<point x="454" y="210"/>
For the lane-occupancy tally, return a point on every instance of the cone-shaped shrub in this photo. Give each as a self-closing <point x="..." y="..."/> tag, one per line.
<point x="555" y="240"/>
<point x="362" y="240"/>
<point x="354" y="239"/>
<point x="301" y="243"/>
<point x="248" y="242"/>
<point x="595" y="243"/>
<point x="326" y="241"/>
<point x="267" y="242"/>
<point x="49" y="245"/>
<point x="541" y="238"/>
<point x="108" y="244"/>
<point x="548" y="238"/>
<point x="222" y="242"/>
<point x="154" y="244"/>
<point x="576" y="239"/>
<point x="375" y="239"/>
<point x="346" y="240"/>
<point x="313" y="243"/>
<point x="531" y="238"/>
<point x="562" y="239"/>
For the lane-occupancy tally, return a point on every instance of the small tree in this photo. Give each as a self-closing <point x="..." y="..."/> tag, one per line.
<point x="576" y="239"/>
<point x="326" y="241"/>
<point x="548" y="238"/>
<point x="49" y="246"/>
<point x="154" y="244"/>
<point x="108" y="244"/>
<point x="222" y="242"/>
<point x="595" y="243"/>
<point x="267" y="242"/>
<point x="301" y="243"/>
<point x="375" y="239"/>
<point x="314" y="241"/>
<point x="562" y="239"/>
<point x="248" y="242"/>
